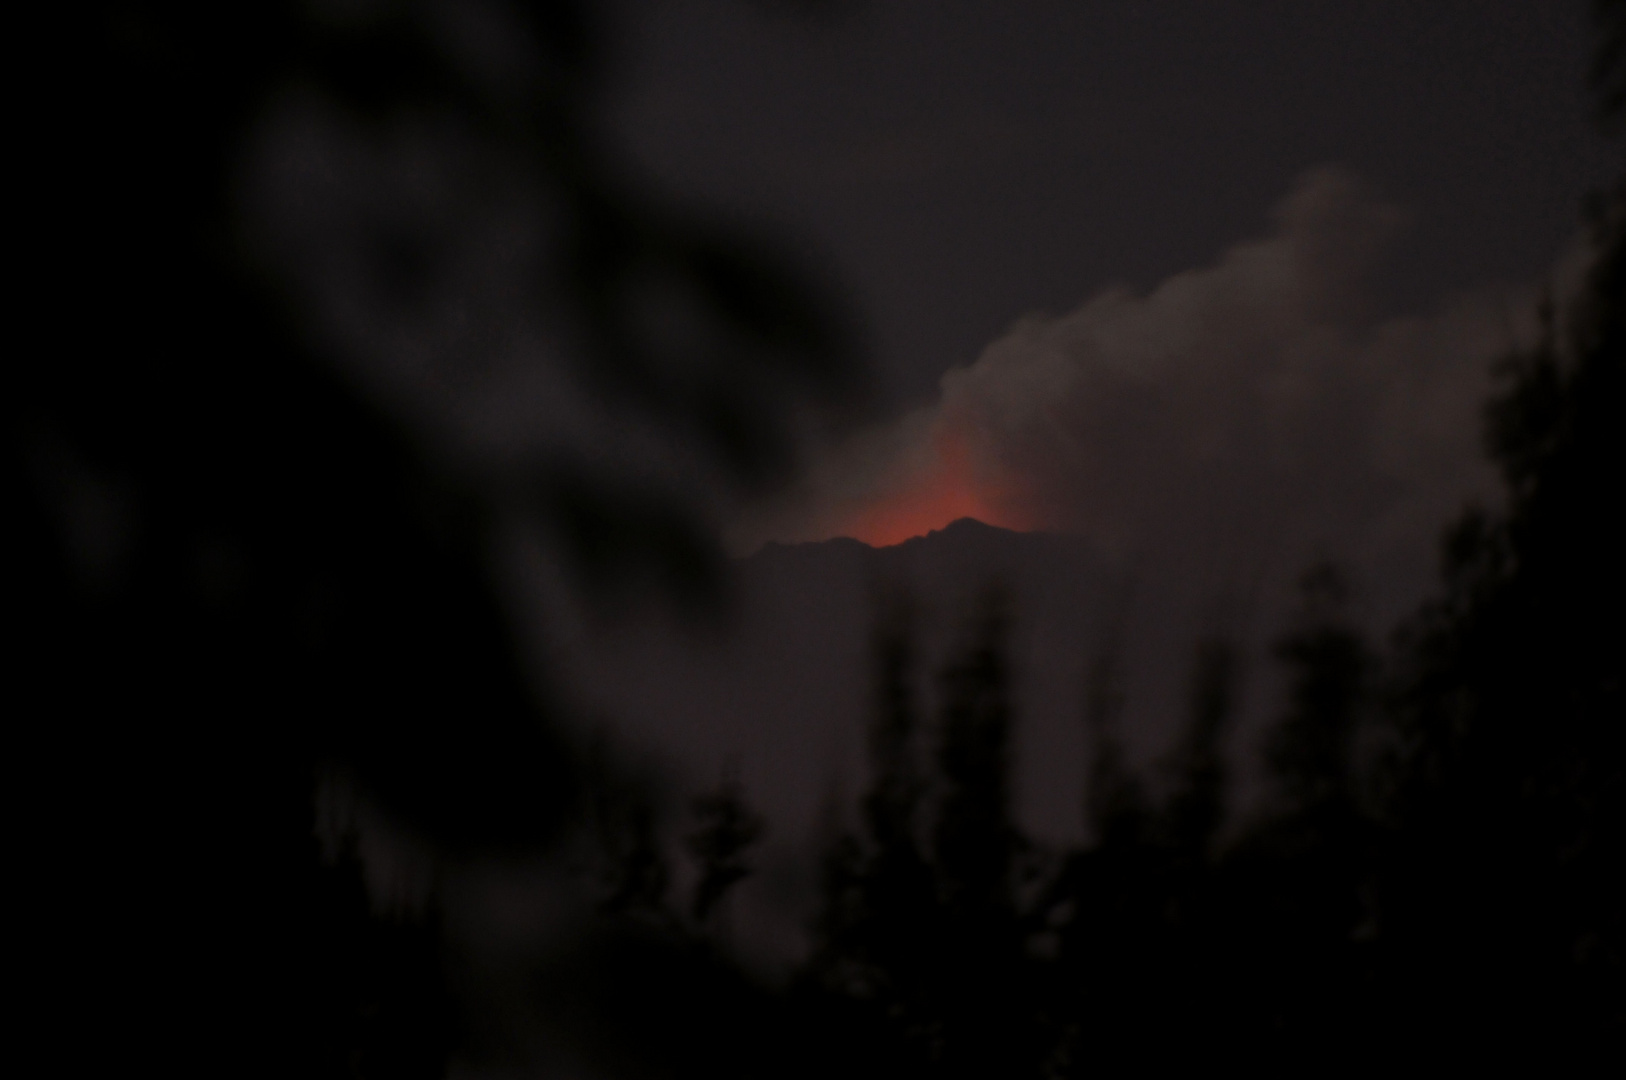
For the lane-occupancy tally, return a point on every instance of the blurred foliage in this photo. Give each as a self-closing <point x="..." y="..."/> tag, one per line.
<point x="238" y="574"/>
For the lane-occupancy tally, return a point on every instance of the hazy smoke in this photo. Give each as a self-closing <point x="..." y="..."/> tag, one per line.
<point x="1238" y="418"/>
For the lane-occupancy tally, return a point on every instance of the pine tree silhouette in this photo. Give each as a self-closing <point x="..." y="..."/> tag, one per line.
<point x="726" y="828"/>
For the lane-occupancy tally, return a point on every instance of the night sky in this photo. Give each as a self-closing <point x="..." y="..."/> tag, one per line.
<point x="959" y="165"/>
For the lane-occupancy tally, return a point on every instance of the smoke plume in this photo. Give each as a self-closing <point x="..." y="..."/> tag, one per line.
<point x="1235" y="420"/>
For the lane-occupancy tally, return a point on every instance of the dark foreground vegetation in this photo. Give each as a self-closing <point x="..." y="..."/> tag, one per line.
<point x="234" y="579"/>
<point x="1441" y="865"/>
<point x="1439" y="873"/>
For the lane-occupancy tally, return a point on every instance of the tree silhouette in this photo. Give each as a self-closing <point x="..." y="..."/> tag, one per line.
<point x="1510" y="797"/>
<point x="726" y="828"/>
<point x="1437" y="868"/>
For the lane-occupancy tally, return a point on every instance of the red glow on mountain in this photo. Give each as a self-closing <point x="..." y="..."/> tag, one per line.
<point x="953" y="488"/>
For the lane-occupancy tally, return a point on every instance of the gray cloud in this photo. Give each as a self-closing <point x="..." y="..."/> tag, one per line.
<point x="1231" y="423"/>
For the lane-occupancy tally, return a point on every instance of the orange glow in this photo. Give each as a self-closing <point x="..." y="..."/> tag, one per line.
<point x="953" y="488"/>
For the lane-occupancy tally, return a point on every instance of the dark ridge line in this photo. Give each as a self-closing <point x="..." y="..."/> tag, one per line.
<point x="959" y="526"/>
